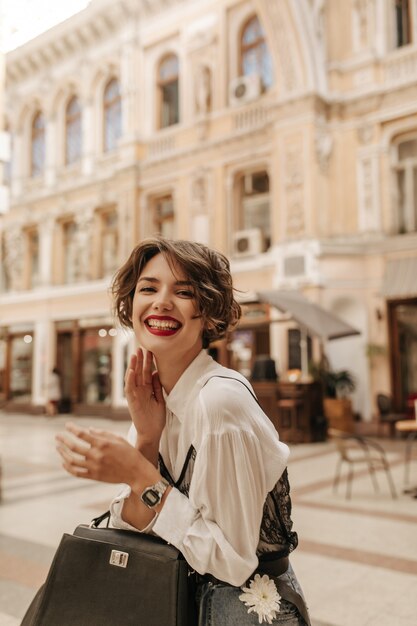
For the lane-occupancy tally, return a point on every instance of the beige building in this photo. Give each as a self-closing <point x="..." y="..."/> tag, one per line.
<point x="282" y="132"/>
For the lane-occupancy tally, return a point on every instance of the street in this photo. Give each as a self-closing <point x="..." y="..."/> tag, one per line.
<point x="356" y="559"/>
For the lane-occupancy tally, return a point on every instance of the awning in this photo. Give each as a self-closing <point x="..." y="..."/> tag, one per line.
<point x="400" y="280"/>
<point x="314" y="318"/>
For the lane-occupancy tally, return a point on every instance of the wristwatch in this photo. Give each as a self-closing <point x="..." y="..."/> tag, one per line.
<point x="152" y="495"/>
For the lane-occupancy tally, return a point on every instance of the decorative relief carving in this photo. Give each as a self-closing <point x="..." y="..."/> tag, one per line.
<point x="367" y="185"/>
<point x="368" y="194"/>
<point x="199" y="189"/>
<point x="285" y="47"/>
<point x="318" y="17"/>
<point x="13" y="257"/>
<point x="294" y="187"/>
<point x="364" y="11"/>
<point x="82" y="246"/>
<point x="324" y="144"/>
<point x="365" y="133"/>
<point x="202" y="90"/>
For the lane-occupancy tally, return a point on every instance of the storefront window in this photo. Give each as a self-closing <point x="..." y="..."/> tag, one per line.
<point x="246" y="346"/>
<point x="96" y="350"/>
<point x="404" y="338"/>
<point x="21" y="368"/>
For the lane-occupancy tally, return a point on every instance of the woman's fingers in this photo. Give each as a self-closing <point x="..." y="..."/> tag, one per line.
<point x="73" y="445"/>
<point x="139" y="367"/>
<point x="82" y="433"/>
<point x="131" y="367"/>
<point x="157" y="387"/>
<point x="147" y="368"/>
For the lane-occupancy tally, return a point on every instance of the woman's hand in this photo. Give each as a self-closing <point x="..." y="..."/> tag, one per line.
<point x="103" y="456"/>
<point x="145" y="399"/>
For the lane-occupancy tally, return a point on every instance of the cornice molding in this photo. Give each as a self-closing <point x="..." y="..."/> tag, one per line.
<point x="84" y="29"/>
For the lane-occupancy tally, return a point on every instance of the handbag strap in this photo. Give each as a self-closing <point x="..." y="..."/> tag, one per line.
<point x="96" y="521"/>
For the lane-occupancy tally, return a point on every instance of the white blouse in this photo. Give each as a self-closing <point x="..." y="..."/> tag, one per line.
<point x="239" y="459"/>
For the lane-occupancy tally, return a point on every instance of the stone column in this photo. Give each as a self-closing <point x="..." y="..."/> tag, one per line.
<point x="46" y="232"/>
<point x="82" y="255"/>
<point x="41" y="363"/>
<point x="88" y="128"/>
<point x="120" y="341"/>
<point x="129" y="90"/>
<point x="14" y="257"/>
<point x="17" y="164"/>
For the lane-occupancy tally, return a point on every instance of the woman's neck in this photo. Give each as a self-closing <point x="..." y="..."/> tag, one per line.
<point x="171" y="368"/>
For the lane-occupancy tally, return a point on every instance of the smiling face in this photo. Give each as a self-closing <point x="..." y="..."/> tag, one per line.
<point x="164" y="313"/>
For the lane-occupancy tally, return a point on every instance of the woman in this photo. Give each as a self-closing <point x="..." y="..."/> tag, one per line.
<point x="203" y="466"/>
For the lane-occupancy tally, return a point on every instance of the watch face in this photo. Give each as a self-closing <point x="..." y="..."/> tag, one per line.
<point x="151" y="497"/>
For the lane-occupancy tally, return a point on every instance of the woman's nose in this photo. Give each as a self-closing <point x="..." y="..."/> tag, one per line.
<point x="163" y="301"/>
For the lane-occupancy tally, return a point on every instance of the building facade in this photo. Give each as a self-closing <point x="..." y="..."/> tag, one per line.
<point x="282" y="133"/>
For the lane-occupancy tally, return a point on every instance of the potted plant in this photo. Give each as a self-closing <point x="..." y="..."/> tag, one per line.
<point x="336" y="385"/>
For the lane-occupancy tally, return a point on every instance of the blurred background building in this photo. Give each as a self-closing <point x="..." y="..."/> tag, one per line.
<point x="282" y="133"/>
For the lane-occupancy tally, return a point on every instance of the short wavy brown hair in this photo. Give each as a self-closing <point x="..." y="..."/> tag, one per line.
<point x="206" y="269"/>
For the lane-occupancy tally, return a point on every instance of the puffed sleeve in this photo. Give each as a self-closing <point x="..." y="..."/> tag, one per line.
<point x="239" y="461"/>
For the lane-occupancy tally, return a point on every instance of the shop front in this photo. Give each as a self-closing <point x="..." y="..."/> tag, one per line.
<point x="86" y="360"/>
<point x="402" y="320"/>
<point x="16" y="365"/>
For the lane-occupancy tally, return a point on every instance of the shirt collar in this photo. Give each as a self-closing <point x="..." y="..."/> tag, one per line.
<point x="186" y="388"/>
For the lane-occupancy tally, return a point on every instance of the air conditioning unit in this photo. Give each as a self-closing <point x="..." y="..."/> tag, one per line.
<point x="244" y="89"/>
<point x="248" y="242"/>
<point x="294" y="266"/>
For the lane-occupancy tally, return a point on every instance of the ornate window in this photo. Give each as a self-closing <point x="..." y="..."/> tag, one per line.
<point x="168" y="87"/>
<point x="405" y="172"/>
<point x="38" y="145"/>
<point x="109" y="243"/>
<point x="402" y="23"/>
<point x="112" y="115"/>
<point x="73" y="131"/>
<point x="252" y="214"/>
<point x="254" y="53"/>
<point x="164" y="216"/>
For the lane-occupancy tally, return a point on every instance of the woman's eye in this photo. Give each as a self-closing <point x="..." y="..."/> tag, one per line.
<point x="185" y="293"/>
<point x="146" y="289"/>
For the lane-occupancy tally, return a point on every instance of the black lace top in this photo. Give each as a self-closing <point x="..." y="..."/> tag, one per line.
<point x="276" y="535"/>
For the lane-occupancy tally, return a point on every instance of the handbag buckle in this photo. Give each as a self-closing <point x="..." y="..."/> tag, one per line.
<point x="119" y="558"/>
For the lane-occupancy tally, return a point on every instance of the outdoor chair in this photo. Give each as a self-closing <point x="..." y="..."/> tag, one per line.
<point x="360" y="451"/>
<point x="386" y="415"/>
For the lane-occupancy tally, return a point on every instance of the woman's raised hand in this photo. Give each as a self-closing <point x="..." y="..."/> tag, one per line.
<point x="146" y="402"/>
<point x="104" y="456"/>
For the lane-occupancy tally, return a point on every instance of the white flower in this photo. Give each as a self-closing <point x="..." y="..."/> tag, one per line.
<point x="262" y="597"/>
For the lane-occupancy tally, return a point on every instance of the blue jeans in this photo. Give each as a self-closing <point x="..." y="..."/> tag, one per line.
<point x="219" y="605"/>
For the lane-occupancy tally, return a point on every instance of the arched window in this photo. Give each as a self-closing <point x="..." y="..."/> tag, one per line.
<point x="38" y="145"/>
<point x="254" y="53"/>
<point x="112" y="115"/>
<point x="402" y="23"/>
<point x="168" y="91"/>
<point x="405" y="170"/>
<point x="73" y="131"/>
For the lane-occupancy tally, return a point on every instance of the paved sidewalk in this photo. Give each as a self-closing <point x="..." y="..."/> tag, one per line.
<point x="357" y="559"/>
